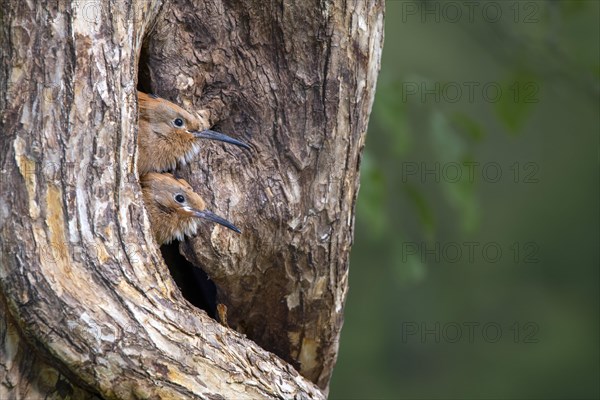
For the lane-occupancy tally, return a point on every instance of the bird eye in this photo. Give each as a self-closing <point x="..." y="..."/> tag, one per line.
<point x="178" y="122"/>
<point x="179" y="198"/>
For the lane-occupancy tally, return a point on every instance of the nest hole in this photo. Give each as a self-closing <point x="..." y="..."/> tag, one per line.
<point x="194" y="283"/>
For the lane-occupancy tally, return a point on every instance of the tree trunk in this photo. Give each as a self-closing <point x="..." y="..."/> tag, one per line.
<point x="88" y="306"/>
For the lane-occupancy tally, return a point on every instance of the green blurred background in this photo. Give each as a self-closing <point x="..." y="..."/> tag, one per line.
<point x="474" y="271"/>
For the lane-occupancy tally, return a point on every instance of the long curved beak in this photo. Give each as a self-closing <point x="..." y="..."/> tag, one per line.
<point x="215" y="218"/>
<point x="208" y="134"/>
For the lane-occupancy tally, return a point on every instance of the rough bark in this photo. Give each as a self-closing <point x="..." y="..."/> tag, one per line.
<point x="296" y="80"/>
<point x="87" y="302"/>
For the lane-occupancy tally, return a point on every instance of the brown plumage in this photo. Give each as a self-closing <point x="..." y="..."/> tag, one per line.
<point x="168" y="135"/>
<point x="174" y="208"/>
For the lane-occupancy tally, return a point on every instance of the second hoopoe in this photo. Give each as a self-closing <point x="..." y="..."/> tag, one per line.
<point x="175" y="210"/>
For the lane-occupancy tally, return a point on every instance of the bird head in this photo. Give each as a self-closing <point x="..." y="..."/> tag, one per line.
<point x="174" y="208"/>
<point x="169" y="134"/>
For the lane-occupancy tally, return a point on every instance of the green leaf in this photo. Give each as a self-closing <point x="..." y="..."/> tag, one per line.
<point x="517" y="100"/>
<point x="450" y="147"/>
<point x="461" y="195"/>
<point x="424" y="211"/>
<point x="468" y="125"/>
<point x="447" y="145"/>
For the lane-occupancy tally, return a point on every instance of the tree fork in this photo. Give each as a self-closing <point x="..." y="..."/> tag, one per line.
<point x="80" y="274"/>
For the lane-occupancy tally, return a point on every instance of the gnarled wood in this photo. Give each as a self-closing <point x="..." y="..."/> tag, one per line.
<point x="296" y="80"/>
<point x="82" y="282"/>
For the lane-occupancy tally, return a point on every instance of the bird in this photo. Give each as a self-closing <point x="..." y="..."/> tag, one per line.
<point x="174" y="209"/>
<point x="168" y="135"/>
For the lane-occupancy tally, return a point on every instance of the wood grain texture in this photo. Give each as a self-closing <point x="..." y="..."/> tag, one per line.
<point x="295" y="80"/>
<point x="80" y="274"/>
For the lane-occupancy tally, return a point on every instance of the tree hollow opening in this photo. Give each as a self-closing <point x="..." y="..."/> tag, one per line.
<point x="194" y="283"/>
